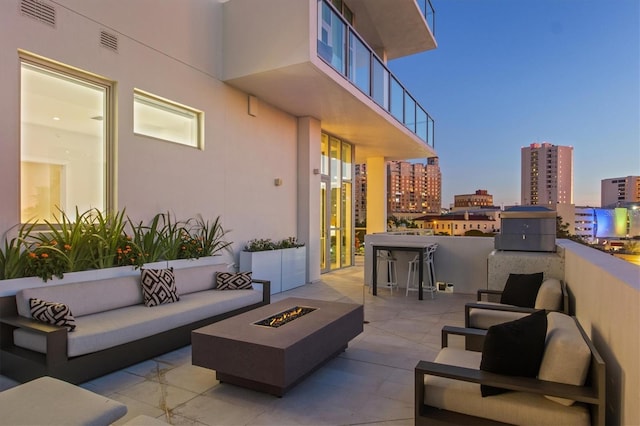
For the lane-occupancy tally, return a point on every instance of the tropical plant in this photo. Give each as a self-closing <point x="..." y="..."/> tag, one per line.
<point x="212" y="236"/>
<point x="97" y="240"/>
<point x="13" y="258"/>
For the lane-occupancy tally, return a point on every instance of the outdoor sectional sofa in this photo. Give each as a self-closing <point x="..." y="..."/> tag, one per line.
<point x="114" y="328"/>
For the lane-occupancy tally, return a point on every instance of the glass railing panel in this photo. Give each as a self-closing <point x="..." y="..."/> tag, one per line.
<point x="429" y="14"/>
<point x="409" y="112"/>
<point x="380" y="86"/>
<point x="331" y="37"/>
<point x="430" y="132"/>
<point x="359" y="63"/>
<point x="421" y="123"/>
<point x="396" y="106"/>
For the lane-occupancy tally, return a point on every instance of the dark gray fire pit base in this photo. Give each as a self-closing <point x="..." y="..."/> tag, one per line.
<point x="273" y="360"/>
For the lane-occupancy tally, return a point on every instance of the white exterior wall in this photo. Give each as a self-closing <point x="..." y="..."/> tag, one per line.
<point x="232" y="177"/>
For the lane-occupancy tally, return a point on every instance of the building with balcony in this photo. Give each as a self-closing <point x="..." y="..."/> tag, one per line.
<point x="617" y="192"/>
<point x="546" y="175"/>
<point x="255" y="111"/>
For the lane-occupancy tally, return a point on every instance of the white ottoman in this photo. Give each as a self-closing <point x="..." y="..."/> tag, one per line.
<point x="49" y="401"/>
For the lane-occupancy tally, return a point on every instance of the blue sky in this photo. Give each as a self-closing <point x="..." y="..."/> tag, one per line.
<point x="508" y="73"/>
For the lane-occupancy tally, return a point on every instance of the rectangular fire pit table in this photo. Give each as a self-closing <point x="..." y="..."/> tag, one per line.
<point x="273" y="360"/>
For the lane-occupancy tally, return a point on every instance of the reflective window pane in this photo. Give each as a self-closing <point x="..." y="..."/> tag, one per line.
<point x="421" y="123"/>
<point x="63" y="144"/>
<point x="331" y="37"/>
<point x="410" y="113"/>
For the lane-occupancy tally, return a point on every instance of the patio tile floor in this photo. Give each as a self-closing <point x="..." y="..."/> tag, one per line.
<point x="370" y="383"/>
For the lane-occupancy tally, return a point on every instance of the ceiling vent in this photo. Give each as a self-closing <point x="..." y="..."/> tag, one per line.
<point x="39" y="10"/>
<point x="109" y="41"/>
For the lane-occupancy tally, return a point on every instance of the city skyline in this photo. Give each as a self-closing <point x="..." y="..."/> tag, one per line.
<point x="508" y="74"/>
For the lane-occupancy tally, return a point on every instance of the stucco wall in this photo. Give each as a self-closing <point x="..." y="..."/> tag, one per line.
<point x="232" y="177"/>
<point x="605" y="297"/>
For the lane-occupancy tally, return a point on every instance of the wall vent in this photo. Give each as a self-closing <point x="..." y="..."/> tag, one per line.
<point x="39" y="10"/>
<point x="108" y="40"/>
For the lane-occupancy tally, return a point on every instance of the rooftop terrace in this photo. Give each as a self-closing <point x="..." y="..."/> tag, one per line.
<point x="370" y="383"/>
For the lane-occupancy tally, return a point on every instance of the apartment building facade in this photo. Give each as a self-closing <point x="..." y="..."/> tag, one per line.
<point x="546" y="175"/>
<point x="229" y="110"/>
<point x="620" y="191"/>
<point x="414" y="188"/>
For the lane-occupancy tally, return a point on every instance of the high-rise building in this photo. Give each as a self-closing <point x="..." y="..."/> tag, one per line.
<point x="547" y="175"/>
<point x="480" y="199"/>
<point x="619" y="191"/>
<point x="414" y="188"/>
<point x="360" y="193"/>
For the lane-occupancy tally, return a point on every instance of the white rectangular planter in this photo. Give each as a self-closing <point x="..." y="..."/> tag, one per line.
<point x="264" y="265"/>
<point x="285" y="268"/>
<point x="294" y="267"/>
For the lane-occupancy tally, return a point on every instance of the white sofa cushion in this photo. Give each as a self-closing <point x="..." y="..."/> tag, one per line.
<point x="567" y="356"/>
<point x="198" y="278"/>
<point x="115" y="327"/>
<point x="549" y="295"/>
<point x="520" y="408"/>
<point x="86" y="297"/>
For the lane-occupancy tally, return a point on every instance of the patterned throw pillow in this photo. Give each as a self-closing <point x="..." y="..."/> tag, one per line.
<point x="52" y="313"/>
<point x="158" y="286"/>
<point x="233" y="281"/>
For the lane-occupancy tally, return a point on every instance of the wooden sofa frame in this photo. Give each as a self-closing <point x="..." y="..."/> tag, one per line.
<point x="592" y="392"/>
<point x="23" y="364"/>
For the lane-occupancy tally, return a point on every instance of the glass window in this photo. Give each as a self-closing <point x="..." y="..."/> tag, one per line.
<point x="324" y="156"/>
<point x="166" y="120"/>
<point x="421" y="123"/>
<point x="64" y="141"/>
<point x="346" y="161"/>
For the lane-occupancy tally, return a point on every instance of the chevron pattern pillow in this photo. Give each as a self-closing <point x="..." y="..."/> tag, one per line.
<point x="158" y="286"/>
<point x="233" y="281"/>
<point x="52" y="313"/>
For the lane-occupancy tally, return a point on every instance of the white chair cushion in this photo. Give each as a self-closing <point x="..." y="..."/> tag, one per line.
<point x="485" y="318"/>
<point x="520" y="408"/>
<point x="567" y="356"/>
<point x="49" y="401"/>
<point x="549" y="295"/>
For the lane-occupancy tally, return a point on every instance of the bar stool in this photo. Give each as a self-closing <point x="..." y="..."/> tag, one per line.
<point x="392" y="276"/>
<point x="431" y="269"/>
<point x="413" y="274"/>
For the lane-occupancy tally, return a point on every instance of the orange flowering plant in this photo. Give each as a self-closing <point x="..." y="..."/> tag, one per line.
<point x="96" y="240"/>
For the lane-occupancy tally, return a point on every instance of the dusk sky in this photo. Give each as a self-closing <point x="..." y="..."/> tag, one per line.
<point x="508" y="73"/>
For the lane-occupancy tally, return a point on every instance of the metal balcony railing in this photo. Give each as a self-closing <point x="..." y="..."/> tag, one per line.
<point x="340" y="46"/>
<point x="429" y="14"/>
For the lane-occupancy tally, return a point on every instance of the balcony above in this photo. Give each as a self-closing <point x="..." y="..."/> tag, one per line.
<point x="378" y="21"/>
<point x="312" y="63"/>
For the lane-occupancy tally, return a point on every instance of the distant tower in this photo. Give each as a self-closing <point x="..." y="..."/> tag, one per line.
<point x="360" y="193"/>
<point x="616" y="192"/>
<point x="547" y="175"/>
